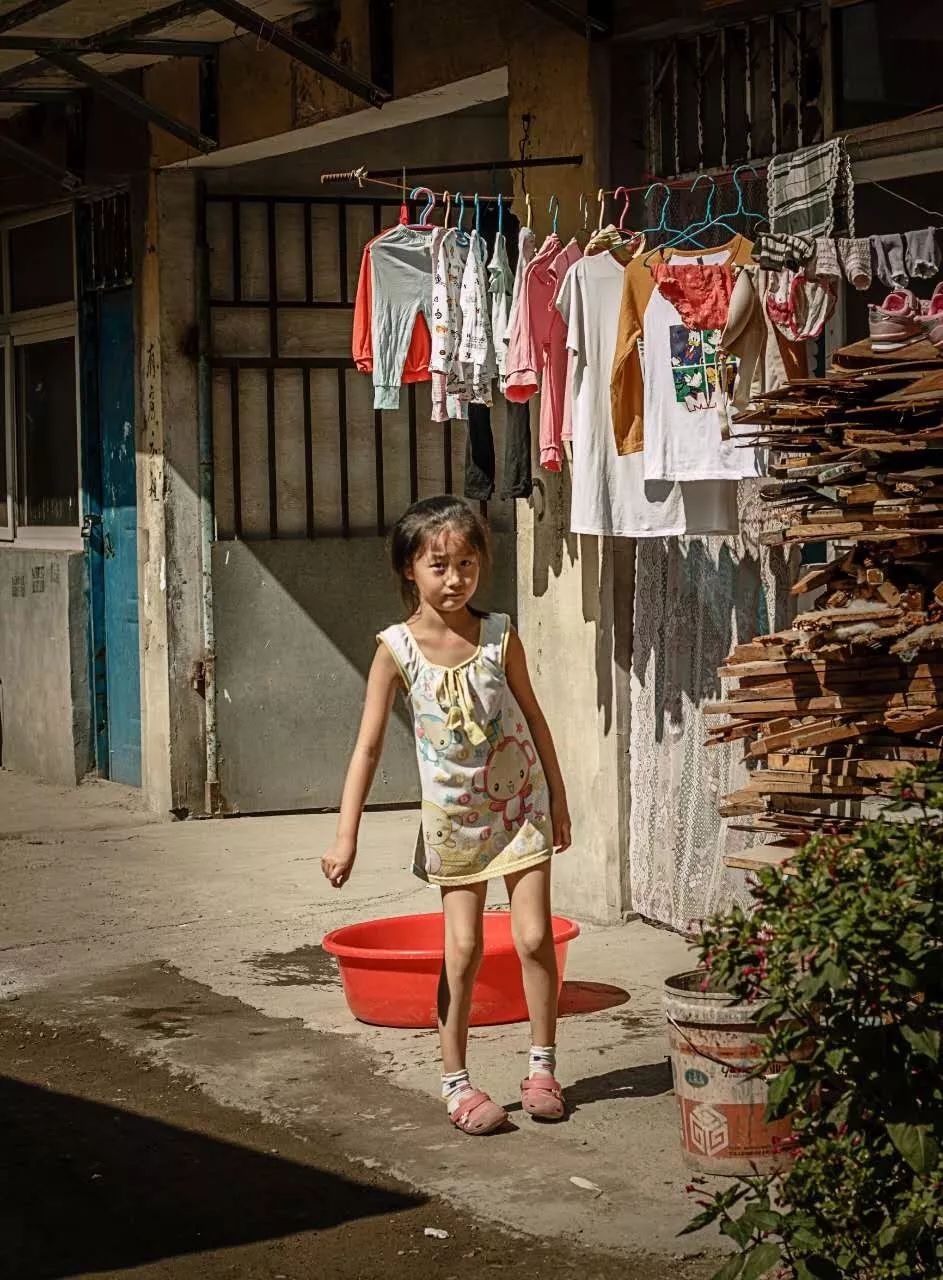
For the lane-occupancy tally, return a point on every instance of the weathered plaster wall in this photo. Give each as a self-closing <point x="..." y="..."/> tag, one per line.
<point x="169" y="490"/>
<point x="574" y="593"/>
<point x="45" y="708"/>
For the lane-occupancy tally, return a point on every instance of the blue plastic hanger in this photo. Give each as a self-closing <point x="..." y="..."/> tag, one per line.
<point x="462" y="233"/>
<point x="500" y="214"/>
<point x="430" y="204"/>
<point x="477" y="215"/>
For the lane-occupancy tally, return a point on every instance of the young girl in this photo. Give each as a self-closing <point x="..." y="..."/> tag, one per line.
<point x="493" y="800"/>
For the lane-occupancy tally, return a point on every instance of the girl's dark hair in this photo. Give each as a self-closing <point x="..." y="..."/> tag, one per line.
<point x="425" y="520"/>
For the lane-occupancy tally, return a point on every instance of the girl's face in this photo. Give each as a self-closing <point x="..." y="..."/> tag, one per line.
<point x="446" y="572"/>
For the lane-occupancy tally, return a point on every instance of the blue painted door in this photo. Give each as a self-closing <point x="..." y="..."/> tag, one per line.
<point x="119" y="534"/>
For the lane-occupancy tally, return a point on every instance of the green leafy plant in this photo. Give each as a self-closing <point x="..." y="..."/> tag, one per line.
<point x="844" y="958"/>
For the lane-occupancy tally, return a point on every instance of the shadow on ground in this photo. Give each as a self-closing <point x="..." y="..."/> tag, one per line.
<point x="86" y="1187"/>
<point x="590" y="997"/>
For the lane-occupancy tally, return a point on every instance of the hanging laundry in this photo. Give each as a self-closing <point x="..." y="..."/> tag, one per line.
<point x="775" y="251"/>
<point x="479" y="454"/>
<point x="401" y="281"/>
<point x="688" y="377"/>
<point x="750" y="335"/>
<point x="610" y="495"/>
<point x="824" y="260"/>
<point x="537" y="358"/>
<point x="811" y="191"/>
<point x="526" y="250"/>
<point x="416" y="364"/>
<point x="700" y="294"/>
<point x="501" y="289"/>
<point x="556" y="410"/>
<point x="800" y="304"/>
<point x="448" y="250"/>
<point x="900" y="258"/>
<point x="476" y="349"/>
<point x="855" y="257"/>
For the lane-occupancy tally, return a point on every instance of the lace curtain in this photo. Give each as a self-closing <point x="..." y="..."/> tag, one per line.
<point x="695" y="598"/>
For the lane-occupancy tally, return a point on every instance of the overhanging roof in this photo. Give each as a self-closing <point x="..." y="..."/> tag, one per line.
<point x="51" y="47"/>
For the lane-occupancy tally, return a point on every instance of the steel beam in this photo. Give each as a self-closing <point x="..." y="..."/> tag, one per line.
<point x="95" y="44"/>
<point x="144" y="25"/>
<point x="584" y="24"/>
<point x="128" y="101"/>
<point x="299" y="50"/>
<point x="39" y="164"/>
<point x="28" y="12"/>
<point x="57" y="93"/>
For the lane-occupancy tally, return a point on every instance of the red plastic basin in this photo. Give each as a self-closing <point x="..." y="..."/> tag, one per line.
<point x="390" y="969"/>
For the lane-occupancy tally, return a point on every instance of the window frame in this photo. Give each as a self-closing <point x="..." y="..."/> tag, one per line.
<point x="24" y="328"/>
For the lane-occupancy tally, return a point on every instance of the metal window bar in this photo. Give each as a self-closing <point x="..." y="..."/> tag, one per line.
<point x="783" y="41"/>
<point x="230" y="296"/>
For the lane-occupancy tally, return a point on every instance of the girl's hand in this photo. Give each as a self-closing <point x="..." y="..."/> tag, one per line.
<point x="338" y="862"/>
<point x="560" y="820"/>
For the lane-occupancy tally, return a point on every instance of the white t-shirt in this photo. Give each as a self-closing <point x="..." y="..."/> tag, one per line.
<point x="684" y="412"/>
<point x="610" y="493"/>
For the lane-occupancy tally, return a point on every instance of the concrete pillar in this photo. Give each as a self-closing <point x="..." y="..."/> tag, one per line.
<point x="574" y="593"/>
<point x="173" y="761"/>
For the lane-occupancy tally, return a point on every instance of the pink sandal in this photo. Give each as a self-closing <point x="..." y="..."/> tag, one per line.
<point x="477" y="1114"/>
<point x="542" y="1098"/>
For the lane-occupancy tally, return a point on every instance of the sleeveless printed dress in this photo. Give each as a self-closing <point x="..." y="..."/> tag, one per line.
<point x="485" y="806"/>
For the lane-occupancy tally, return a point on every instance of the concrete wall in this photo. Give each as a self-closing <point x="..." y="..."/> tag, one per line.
<point x="45" y="708"/>
<point x="574" y="593"/>
<point x="295" y="629"/>
<point x="173" y="760"/>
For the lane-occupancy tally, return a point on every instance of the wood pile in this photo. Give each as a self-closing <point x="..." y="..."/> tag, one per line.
<point x="832" y="710"/>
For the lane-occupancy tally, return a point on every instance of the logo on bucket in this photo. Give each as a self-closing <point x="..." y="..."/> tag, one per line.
<point x="696" y="1079"/>
<point x="708" y="1130"/>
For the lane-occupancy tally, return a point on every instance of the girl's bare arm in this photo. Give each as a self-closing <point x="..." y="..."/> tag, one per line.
<point x="523" y="690"/>
<point x="382" y="683"/>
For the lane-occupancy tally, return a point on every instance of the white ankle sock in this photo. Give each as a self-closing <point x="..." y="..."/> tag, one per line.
<point x="454" y="1084"/>
<point x="543" y="1060"/>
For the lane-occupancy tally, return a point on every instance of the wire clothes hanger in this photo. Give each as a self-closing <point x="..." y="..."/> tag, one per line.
<point x="740" y="211"/>
<point x="661" y="225"/>
<point x="553" y="207"/>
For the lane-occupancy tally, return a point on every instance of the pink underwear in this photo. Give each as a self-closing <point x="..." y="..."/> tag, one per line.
<point x="700" y="294"/>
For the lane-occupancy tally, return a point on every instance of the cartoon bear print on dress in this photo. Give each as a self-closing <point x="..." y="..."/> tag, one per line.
<point x="435" y="737"/>
<point x="437" y="829"/>
<point x="505" y="780"/>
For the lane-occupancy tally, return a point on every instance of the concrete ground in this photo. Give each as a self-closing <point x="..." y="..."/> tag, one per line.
<point x="195" y="946"/>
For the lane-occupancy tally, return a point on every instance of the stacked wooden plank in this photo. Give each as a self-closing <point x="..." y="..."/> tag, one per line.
<point x="833" y="709"/>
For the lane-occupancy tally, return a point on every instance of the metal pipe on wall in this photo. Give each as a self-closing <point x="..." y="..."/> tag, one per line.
<point x="204" y="409"/>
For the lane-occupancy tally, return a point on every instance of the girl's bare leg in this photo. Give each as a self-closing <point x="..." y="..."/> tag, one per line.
<point x="529" y="892"/>
<point x="462" y="909"/>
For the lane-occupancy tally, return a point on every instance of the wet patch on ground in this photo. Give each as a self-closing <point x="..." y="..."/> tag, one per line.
<point x="309" y="966"/>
